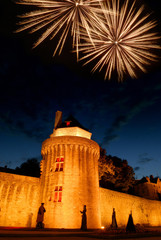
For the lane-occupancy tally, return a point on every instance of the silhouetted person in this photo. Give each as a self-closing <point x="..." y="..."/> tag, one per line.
<point x="114" y="222"/>
<point x="40" y="216"/>
<point x="130" y="225"/>
<point x="84" y="219"/>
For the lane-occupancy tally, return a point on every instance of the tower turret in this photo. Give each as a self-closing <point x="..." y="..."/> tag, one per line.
<point x="69" y="178"/>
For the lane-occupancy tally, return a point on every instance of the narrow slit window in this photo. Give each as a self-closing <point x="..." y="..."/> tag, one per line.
<point x="56" y="197"/>
<point x="60" y="197"/>
<point x="68" y="123"/>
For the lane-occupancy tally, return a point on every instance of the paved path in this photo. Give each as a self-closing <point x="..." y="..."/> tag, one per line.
<point x="72" y="238"/>
<point x="46" y="234"/>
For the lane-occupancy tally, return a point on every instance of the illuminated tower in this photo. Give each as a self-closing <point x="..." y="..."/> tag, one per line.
<point x="69" y="176"/>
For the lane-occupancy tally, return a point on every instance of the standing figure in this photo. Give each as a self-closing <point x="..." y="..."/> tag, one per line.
<point x="40" y="216"/>
<point x="114" y="222"/>
<point x="84" y="219"/>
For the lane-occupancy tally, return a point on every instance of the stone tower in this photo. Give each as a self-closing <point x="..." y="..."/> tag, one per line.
<point x="69" y="176"/>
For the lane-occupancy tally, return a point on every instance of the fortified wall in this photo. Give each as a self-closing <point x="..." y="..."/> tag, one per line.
<point x="19" y="200"/>
<point x="144" y="211"/>
<point x="149" y="188"/>
<point x="69" y="180"/>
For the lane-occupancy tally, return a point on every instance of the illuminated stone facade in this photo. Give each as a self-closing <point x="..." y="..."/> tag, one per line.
<point x="69" y="180"/>
<point x="19" y="198"/>
<point x="144" y="211"/>
<point x="69" y="177"/>
<point x="149" y="188"/>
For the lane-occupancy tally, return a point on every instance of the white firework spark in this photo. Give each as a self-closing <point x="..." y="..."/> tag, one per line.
<point x="123" y="42"/>
<point x="60" y="16"/>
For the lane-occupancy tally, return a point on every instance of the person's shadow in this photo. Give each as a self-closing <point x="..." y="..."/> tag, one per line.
<point x="29" y="221"/>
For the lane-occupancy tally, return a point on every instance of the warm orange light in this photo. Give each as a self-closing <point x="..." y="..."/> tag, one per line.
<point x="71" y="131"/>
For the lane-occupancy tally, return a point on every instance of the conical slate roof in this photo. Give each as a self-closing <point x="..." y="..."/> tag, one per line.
<point x="71" y="122"/>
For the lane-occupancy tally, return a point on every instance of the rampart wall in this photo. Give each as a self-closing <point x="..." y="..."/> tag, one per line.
<point x="19" y="203"/>
<point x="144" y="211"/>
<point x="149" y="190"/>
<point x="19" y="200"/>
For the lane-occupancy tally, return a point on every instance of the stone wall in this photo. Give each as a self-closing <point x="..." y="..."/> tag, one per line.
<point x="149" y="189"/>
<point x="19" y="203"/>
<point x="78" y="181"/>
<point x="19" y="200"/>
<point x="144" y="211"/>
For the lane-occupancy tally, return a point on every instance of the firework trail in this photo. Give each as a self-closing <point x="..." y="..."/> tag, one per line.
<point x="124" y="42"/>
<point x="60" y="16"/>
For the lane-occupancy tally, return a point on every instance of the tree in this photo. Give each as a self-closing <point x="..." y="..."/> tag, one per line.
<point x="106" y="170"/>
<point x="115" y="173"/>
<point x="29" y="168"/>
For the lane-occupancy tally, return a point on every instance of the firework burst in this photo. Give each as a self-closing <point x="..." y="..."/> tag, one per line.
<point x="60" y="16"/>
<point x="124" y="42"/>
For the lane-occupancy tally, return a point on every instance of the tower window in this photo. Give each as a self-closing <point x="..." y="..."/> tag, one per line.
<point x="59" y="164"/>
<point x="68" y="123"/>
<point x="58" y="194"/>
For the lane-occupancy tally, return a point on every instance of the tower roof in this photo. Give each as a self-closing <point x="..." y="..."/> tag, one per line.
<point x="71" y="122"/>
<point x="70" y="127"/>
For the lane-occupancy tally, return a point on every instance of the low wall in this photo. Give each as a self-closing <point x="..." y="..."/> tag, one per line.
<point x="144" y="211"/>
<point x="19" y="200"/>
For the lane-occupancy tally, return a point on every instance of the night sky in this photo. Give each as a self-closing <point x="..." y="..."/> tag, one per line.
<point x="124" y="118"/>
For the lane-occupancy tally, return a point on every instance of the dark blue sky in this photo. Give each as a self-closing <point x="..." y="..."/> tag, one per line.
<point x="124" y="118"/>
